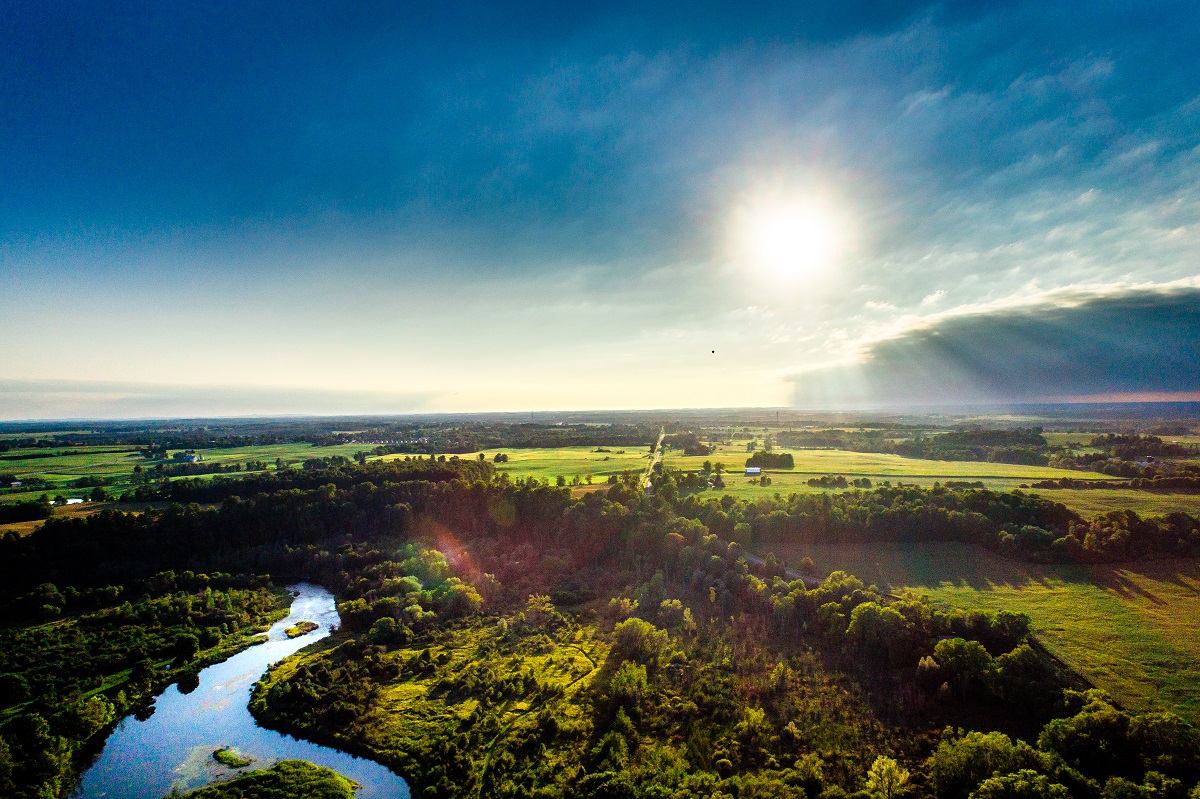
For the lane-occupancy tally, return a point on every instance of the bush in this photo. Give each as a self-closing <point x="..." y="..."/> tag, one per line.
<point x="638" y="641"/>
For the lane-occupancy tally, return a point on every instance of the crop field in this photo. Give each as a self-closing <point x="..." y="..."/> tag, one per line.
<point x="1128" y="628"/>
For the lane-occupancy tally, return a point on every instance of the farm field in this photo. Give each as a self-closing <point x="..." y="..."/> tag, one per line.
<point x="570" y="462"/>
<point x="1128" y="628"/>
<point x="878" y="467"/>
<point x="1090" y="502"/>
<point x="62" y="467"/>
<point x="810" y="462"/>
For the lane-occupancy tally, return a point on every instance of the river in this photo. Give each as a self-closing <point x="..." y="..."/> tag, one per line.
<point x="171" y="750"/>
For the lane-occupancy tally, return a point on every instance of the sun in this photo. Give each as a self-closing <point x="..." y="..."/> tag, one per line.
<point x="792" y="242"/>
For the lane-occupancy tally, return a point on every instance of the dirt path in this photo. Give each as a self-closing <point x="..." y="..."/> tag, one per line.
<point x="662" y="433"/>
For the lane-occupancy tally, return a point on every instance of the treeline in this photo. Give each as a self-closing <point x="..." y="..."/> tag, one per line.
<point x="1026" y="447"/>
<point x="192" y="469"/>
<point x="1023" y="446"/>
<point x="1133" y="456"/>
<point x="1136" y="447"/>
<point x="1173" y="484"/>
<point x="478" y="436"/>
<point x="27" y="511"/>
<point x="400" y="436"/>
<point x="689" y="442"/>
<point x="840" y="481"/>
<point x="283" y="512"/>
<point x="1015" y="524"/>
<point x="1095" y="750"/>
<point x="336" y="471"/>
<point x="772" y="460"/>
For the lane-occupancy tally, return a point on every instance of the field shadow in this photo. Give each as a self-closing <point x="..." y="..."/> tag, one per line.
<point x="944" y="564"/>
<point x="1181" y="573"/>
<point x="922" y="565"/>
<point x="1123" y="586"/>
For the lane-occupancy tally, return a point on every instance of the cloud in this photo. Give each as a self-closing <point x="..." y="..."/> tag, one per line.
<point x="1135" y="344"/>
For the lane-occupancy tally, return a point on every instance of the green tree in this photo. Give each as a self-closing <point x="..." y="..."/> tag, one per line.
<point x="1024" y="784"/>
<point x="960" y="764"/>
<point x="880" y="634"/>
<point x="638" y="641"/>
<point x="186" y="646"/>
<point x="1022" y="679"/>
<point x="886" y="779"/>
<point x="627" y="687"/>
<point x="966" y="665"/>
<point x="82" y="718"/>
<point x="7" y="786"/>
<point x="1095" y="741"/>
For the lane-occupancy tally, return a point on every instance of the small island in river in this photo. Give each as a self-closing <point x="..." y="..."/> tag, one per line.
<point x="230" y="757"/>
<point x="301" y="628"/>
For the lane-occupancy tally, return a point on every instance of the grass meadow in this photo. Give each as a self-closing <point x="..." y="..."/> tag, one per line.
<point x="878" y="467"/>
<point x="1128" y="628"/>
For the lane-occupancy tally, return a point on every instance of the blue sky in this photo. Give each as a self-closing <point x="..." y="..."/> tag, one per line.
<point x="253" y="208"/>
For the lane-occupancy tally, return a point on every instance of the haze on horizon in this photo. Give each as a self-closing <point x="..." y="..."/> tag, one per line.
<point x="377" y="208"/>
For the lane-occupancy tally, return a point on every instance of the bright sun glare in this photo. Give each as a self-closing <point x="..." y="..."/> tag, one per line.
<point x="791" y="242"/>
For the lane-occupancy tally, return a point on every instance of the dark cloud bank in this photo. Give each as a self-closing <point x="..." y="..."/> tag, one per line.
<point x="1138" y="343"/>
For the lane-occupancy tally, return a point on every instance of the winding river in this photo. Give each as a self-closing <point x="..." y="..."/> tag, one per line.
<point x="149" y="757"/>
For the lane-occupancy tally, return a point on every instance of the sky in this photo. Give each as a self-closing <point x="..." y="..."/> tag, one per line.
<point x="364" y="207"/>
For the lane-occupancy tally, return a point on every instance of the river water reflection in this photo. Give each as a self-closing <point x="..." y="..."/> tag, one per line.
<point x="172" y="749"/>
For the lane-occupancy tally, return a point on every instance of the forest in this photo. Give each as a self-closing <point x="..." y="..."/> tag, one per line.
<point x="503" y="638"/>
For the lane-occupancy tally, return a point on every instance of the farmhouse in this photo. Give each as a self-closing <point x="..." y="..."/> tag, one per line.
<point x="753" y="471"/>
<point x="187" y="457"/>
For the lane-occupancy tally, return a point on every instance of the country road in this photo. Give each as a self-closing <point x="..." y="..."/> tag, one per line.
<point x="662" y="433"/>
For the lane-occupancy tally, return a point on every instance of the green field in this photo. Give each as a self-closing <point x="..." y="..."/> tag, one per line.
<point x="879" y="467"/>
<point x="570" y="462"/>
<point x="1090" y="502"/>
<point x="1128" y="628"/>
<point x="64" y="466"/>
<point x="810" y="462"/>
